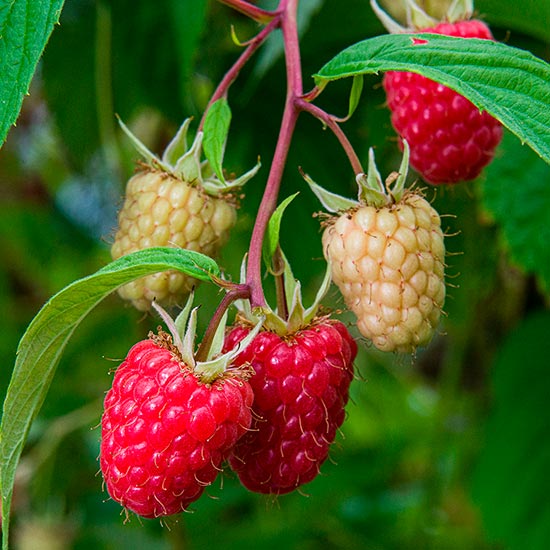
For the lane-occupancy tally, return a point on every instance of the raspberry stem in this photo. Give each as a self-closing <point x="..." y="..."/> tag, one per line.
<point x="238" y="292"/>
<point x="288" y="10"/>
<point x="285" y="17"/>
<point x="233" y="72"/>
<point x="329" y="120"/>
<point x="254" y="12"/>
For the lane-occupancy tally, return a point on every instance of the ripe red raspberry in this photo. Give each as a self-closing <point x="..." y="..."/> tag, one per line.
<point x="165" y="433"/>
<point x="450" y="139"/>
<point x="300" y="386"/>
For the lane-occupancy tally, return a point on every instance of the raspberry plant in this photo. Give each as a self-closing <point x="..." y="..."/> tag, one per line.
<point x="267" y="396"/>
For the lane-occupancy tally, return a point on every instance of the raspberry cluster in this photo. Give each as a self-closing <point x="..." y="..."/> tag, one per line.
<point x="272" y="413"/>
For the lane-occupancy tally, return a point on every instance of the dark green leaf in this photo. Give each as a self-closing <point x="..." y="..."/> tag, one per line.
<point x="517" y="194"/>
<point x="42" y="344"/>
<point x="216" y="128"/>
<point x="511" y="84"/>
<point x="273" y="229"/>
<point x="24" y="30"/>
<point x="509" y="483"/>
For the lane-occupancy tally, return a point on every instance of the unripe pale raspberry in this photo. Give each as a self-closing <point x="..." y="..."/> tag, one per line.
<point x="388" y="263"/>
<point x="300" y="385"/>
<point x="449" y="138"/>
<point x="165" y="433"/>
<point x="162" y="210"/>
<point x="177" y="200"/>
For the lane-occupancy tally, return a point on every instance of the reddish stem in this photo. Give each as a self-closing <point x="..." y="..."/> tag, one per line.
<point x="238" y="292"/>
<point x="287" y="10"/>
<point x="331" y="122"/>
<point x="285" y="18"/>
<point x="234" y="71"/>
<point x="258" y="14"/>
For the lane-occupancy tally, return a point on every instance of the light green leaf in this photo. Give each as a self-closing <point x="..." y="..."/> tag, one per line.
<point x="511" y="84"/>
<point x="42" y="344"/>
<point x="516" y="192"/>
<point x="24" y="30"/>
<point x="273" y="230"/>
<point x="216" y="128"/>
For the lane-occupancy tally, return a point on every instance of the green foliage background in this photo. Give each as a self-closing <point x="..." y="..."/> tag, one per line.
<point x="447" y="450"/>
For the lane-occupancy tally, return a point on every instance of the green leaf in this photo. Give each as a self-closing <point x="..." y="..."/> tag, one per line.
<point x="515" y="456"/>
<point x="273" y="230"/>
<point x="42" y="344"/>
<point x="511" y="84"/>
<point x="516" y="192"/>
<point x="216" y="128"/>
<point x="24" y="30"/>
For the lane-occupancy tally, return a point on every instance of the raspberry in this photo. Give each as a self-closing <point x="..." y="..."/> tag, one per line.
<point x="300" y="386"/>
<point x="165" y="432"/>
<point x="386" y="254"/>
<point x="176" y="201"/>
<point x="450" y="139"/>
<point x="162" y="210"/>
<point x="388" y="264"/>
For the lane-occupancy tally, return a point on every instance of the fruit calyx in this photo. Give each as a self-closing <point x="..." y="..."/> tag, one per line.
<point x="185" y="162"/>
<point x="372" y="191"/>
<point x="181" y="342"/>
<point x="418" y="18"/>
<point x="289" y="317"/>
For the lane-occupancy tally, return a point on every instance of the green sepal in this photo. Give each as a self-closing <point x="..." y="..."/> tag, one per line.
<point x="184" y="330"/>
<point x="188" y="166"/>
<point x="398" y="188"/>
<point x="331" y="201"/>
<point x="460" y="9"/>
<point x="148" y="156"/>
<point x="178" y="146"/>
<point x="371" y="190"/>
<point x="187" y="350"/>
<point x="185" y="162"/>
<point x="214" y="368"/>
<point x="298" y="316"/>
<point x="418" y="18"/>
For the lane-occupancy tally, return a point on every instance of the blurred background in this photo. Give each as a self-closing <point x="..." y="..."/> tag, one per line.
<point x="449" y="449"/>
